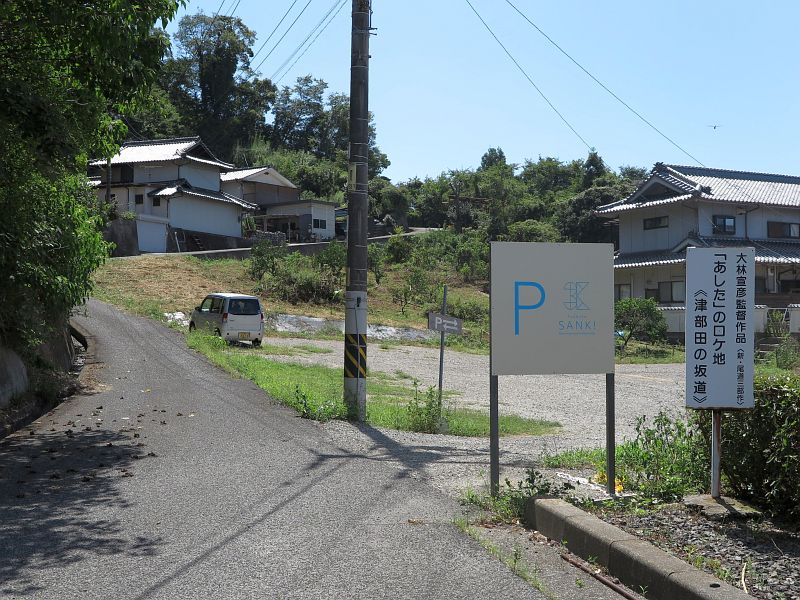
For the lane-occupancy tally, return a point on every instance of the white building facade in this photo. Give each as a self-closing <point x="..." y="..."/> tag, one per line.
<point x="677" y="207"/>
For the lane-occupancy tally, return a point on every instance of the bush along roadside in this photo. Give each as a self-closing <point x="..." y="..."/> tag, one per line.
<point x="761" y="447"/>
<point x="316" y="393"/>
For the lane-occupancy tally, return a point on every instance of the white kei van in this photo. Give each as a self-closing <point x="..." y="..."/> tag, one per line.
<point x="234" y="317"/>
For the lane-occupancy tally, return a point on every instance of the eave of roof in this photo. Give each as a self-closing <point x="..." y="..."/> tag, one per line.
<point x="767" y="252"/>
<point x="244" y="174"/>
<point x="184" y="189"/>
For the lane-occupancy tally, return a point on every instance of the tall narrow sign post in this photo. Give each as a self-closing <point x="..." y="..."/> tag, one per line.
<point x="720" y="300"/>
<point x="355" y="300"/>
<point x="441" y="347"/>
<point x="551" y="311"/>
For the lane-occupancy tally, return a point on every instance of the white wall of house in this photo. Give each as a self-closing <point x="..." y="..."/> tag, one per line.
<point x="633" y="237"/>
<point x="210" y="216"/>
<point x="318" y="211"/>
<point x="152" y="233"/>
<point x="154" y="173"/>
<point x="642" y="279"/>
<point x="261" y="192"/>
<point x="201" y="176"/>
<point x="323" y="214"/>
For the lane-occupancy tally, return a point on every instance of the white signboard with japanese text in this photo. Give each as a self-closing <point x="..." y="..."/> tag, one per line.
<point x="720" y="300"/>
<point x="552" y="308"/>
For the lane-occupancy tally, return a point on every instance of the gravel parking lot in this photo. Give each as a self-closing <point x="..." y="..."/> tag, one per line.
<point x="454" y="463"/>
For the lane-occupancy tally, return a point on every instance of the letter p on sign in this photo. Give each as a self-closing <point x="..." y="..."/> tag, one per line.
<point x="518" y="285"/>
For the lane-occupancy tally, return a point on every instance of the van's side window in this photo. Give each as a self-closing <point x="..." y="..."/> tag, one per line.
<point x="206" y="305"/>
<point x="216" y="306"/>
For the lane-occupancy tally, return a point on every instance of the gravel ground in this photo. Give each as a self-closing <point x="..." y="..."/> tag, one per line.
<point x="769" y="556"/>
<point x="575" y="401"/>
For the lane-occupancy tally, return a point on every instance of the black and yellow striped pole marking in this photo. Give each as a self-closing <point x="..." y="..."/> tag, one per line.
<point x="355" y="356"/>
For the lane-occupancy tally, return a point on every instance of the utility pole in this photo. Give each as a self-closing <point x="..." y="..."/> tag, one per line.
<point x="355" y="317"/>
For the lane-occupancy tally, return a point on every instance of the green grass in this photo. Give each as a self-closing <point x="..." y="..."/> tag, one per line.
<point x="575" y="459"/>
<point x="316" y="391"/>
<point x="639" y="353"/>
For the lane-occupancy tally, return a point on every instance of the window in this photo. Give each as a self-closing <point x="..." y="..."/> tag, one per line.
<point x="320" y="224"/>
<point x="622" y="291"/>
<point x="156" y="201"/>
<point x="216" y="305"/>
<point x="656" y="222"/>
<point x="139" y="198"/>
<point x="244" y="306"/>
<point x="206" y="305"/>
<point x="777" y="229"/>
<point x="671" y="291"/>
<point x="315" y="224"/>
<point x="724" y="224"/>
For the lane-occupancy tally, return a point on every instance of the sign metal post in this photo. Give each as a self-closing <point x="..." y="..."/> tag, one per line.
<point x="611" y="442"/>
<point x="720" y="290"/>
<point x="441" y="347"/>
<point x="551" y="312"/>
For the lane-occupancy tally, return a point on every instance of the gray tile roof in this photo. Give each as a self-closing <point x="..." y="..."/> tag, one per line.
<point x="184" y="189"/>
<point x="719" y="185"/>
<point x="160" y="151"/>
<point x="767" y="252"/>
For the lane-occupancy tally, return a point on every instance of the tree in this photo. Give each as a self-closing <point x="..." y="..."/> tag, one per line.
<point x="577" y="222"/>
<point x="532" y="231"/>
<point x="639" y="318"/>
<point x="492" y="157"/>
<point x="211" y="83"/>
<point x="305" y="120"/>
<point x="66" y="66"/>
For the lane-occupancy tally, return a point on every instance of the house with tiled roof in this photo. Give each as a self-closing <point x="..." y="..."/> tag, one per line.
<point x="173" y="188"/>
<point x="678" y="206"/>
<point x="279" y="206"/>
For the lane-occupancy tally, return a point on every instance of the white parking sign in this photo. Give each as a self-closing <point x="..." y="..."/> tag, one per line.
<point x="552" y="308"/>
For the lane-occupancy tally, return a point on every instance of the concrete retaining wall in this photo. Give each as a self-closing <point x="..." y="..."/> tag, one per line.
<point x="122" y="232"/>
<point x="13" y="376"/>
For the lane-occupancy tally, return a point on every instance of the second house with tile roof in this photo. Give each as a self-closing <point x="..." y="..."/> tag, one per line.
<point x="172" y="186"/>
<point x="679" y="206"/>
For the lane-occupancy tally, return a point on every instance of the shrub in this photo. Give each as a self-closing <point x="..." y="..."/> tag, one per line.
<point x="415" y="289"/>
<point x="639" y="318"/>
<point x="667" y="459"/>
<point x="296" y="279"/>
<point x="470" y="309"/>
<point x="264" y="258"/>
<point x="471" y="258"/>
<point x="761" y="447"/>
<point x="398" y="248"/>
<point x="332" y="260"/>
<point x="425" y="414"/>
<point x="376" y="261"/>
<point x="532" y="230"/>
<point x="787" y="354"/>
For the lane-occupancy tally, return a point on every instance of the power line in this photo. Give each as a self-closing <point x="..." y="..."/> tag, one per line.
<point x="528" y="77"/>
<point x="340" y="4"/>
<point x="235" y="7"/>
<point x="283" y="18"/>
<point x="283" y="36"/>
<point x="602" y="85"/>
<point x="344" y="3"/>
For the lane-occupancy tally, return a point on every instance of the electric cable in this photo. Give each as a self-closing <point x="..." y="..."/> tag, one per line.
<point x="602" y="85"/>
<point x="269" y="37"/>
<point x="528" y="77"/>
<point x="283" y="36"/>
<point x="340" y="4"/>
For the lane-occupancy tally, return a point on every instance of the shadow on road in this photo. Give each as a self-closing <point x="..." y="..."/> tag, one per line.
<point x="50" y="483"/>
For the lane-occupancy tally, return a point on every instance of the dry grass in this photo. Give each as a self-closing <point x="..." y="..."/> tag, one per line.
<point x="152" y="285"/>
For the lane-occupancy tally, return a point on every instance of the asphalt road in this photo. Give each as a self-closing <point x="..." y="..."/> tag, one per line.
<point x="174" y="480"/>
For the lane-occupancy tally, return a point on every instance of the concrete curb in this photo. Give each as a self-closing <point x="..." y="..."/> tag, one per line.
<point x="636" y="562"/>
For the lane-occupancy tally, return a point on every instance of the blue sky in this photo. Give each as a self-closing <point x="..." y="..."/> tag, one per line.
<point x="443" y="91"/>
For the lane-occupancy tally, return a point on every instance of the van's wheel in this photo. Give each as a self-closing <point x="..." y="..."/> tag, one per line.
<point x="217" y="333"/>
<point x="192" y="327"/>
<point x="256" y="343"/>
